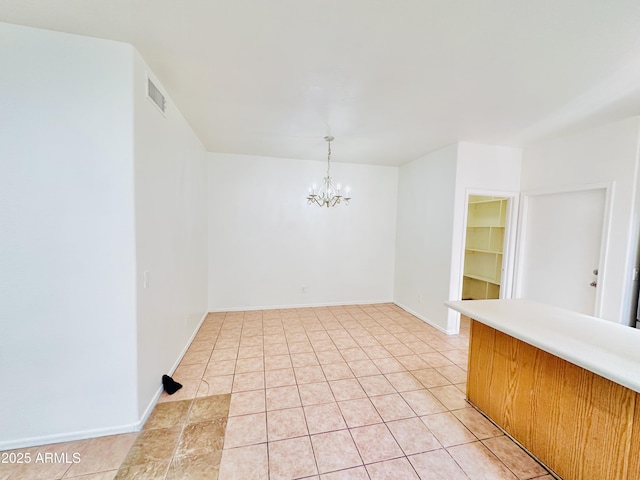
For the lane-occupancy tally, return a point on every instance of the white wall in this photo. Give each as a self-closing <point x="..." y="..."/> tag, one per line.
<point x="605" y="154"/>
<point x="171" y="236"/>
<point x="266" y="243"/>
<point x="67" y="260"/>
<point x="488" y="169"/>
<point x="424" y="237"/>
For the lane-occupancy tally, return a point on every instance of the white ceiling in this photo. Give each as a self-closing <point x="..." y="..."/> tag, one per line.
<point x="391" y="79"/>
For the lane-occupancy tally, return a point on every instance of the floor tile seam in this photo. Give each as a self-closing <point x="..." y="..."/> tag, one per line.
<point x="315" y="460"/>
<point x="450" y="456"/>
<point x="446" y="449"/>
<point x="83" y="475"/>
<point x="406" y="457"/>
<point x="515" y="474"/>
<point x="535" y="460"/>
<point x="492" y="454"/>
<point x="179" y="437"/>
<point x="357" y="449"/>
<point x="428" y="429"/>
<point x="169" y="459"/>
<point x="464" y="425"/>
<point x="184" y="426"/>
<point x="377" y="422"/>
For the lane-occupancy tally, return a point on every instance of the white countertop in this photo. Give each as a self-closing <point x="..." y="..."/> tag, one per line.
<point x="608" y="349"/>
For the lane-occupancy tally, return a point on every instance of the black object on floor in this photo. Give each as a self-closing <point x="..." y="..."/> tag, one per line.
<point x="170" y="385"/>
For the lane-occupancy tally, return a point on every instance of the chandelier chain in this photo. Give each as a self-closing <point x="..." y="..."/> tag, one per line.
<point x="329" y="159"/>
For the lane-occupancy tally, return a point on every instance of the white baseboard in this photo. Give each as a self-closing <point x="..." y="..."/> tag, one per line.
<point x="66" y="437"/>
<point x="426" y="320"/>
<point x="306" y="305"/>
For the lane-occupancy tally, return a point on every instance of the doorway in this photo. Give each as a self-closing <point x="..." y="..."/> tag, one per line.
<point x="561" y="249"/>
<point x="484" y="256"/>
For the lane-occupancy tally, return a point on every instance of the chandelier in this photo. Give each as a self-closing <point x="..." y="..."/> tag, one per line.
<point x="328" y="195"/>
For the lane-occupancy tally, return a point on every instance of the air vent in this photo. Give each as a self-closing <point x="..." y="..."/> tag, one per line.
<point x="156" y="96"/>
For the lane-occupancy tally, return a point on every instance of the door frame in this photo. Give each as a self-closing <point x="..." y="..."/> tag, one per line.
<point x="509" y="245"/>
<point x="608" y="188"/>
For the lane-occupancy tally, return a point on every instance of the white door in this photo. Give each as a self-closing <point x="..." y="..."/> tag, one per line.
<point x="562" y="237"/>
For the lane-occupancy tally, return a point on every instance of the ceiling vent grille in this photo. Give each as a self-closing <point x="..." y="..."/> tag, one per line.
<point x="156" y="96"/>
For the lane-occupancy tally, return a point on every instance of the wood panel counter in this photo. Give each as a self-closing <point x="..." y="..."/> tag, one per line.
<point x="566" y="386"/>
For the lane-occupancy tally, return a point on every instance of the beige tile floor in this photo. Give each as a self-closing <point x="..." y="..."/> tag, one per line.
<point x="354" y="392"/>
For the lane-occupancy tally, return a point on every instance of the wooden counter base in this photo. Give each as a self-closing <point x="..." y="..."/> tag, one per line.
<point x="579" y="424"/>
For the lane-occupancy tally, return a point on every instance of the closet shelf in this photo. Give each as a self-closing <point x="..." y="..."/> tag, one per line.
<point x="481" y="278"/>
<point x="479" y="250"/>
<point x="487" y="200"/>
<point x="488" y="225"/>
